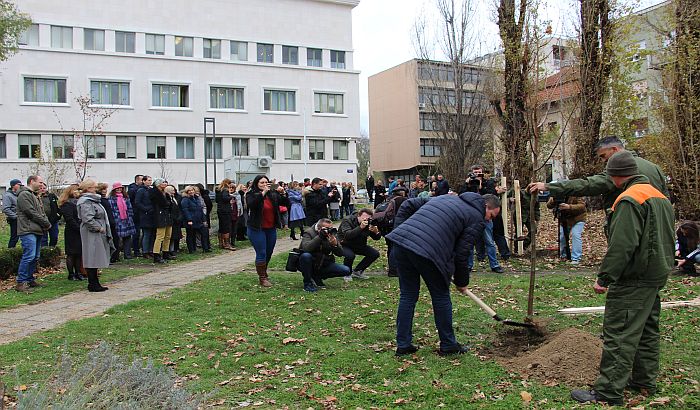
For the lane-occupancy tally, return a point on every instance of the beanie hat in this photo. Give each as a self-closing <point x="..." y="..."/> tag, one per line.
<point x="158" y="181"/>
<point x="117" y="185"/>
<point x="622" y="164"/>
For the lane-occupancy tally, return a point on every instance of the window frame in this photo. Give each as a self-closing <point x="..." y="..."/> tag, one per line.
<point x="183" y="45"/>
<point x="314" y="142"/>
<point x="236" y="144"/>
<point x="211" y="48"/>
<point x="23" y="100"/>
<point x="289" y="155"/>
<point x="188" y="107"/>
<point x="263" y="153"/>
<point x="262" y="58"/>
<point x="126" y="35"/>
<point x="92" y="144"/>
<point x="218" y="147"/>
<point x="240" y="88"/>
<point x="94" y="31"/>
<point x="64" y="37"/>
<point x="328" y="93"/>
<point x="63" y="146"/>
<point x="3" y="146"/>
<point x="126" y="138"/>
<point x="32" y="151"/>
<point x="337" y="64"/>
<point x="156" y="139"/>
<point x="310" y="50"/>
<point x="339" y="150"/>
<point x="29" y="35"/>
<point x="239" y="44"/>
<point x="426" y="143"/>
<point x="110" y="81"/>
<point x="285" y="90"/>
<point x="288" y="52"/>
<point x="155" y="51"/>
<point x="187" y="143"/>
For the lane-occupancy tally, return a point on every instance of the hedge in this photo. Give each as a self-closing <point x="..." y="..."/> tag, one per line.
<point x="10" y="258"/>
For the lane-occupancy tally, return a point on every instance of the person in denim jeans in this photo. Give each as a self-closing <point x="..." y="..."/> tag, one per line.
<point x="571" y="215"/>
<point x="316" y="263"/>
<point x="32" y="224"/>
<point x="9" y="208"/>
<point x="263" y="221"/>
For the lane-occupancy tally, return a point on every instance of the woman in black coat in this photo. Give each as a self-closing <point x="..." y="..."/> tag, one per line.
<point x="223" y="212"/>
<point x="204" y="193"/>
<point x="176" y="215"/>
<point x="71" y="233"/>
<point x="263" y="222"/>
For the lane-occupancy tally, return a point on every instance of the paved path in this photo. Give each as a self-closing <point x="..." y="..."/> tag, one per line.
<point x="25" y="320"/>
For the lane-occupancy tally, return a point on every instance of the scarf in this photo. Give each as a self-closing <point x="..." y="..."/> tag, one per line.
<point x="121" y="205"/>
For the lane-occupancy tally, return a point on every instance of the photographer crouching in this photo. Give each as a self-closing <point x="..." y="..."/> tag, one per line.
<point x="316" y="263"/>
<point x="353" y="234"/>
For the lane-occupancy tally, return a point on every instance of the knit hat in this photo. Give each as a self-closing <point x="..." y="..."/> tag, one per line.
<point x="622" y="164"/>
<point x="15" y="182"/>
<point x="117" y="185"/>
<point x="158" y="181"/>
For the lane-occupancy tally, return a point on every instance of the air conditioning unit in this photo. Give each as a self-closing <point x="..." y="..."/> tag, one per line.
<point x="264" y="162"/>
<point x="421" y="105"/>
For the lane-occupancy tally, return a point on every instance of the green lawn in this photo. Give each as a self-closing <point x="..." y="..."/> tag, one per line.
<point x="227" y="335"/>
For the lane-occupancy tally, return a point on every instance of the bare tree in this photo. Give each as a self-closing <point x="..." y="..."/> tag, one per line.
<point x="48" y="166"/>
<point x="362" y="145"/>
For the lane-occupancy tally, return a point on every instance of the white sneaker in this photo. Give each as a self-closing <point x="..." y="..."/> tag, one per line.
<point x="347" y="278"/>
<point x="359" y="275"/>
<point x="574" y="262"/>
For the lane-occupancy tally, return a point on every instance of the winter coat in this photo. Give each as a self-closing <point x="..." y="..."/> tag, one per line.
<point x="30" y="214"/>
<point x="296" y="211"/>
<point x="570" y="217"/>
<point x="379" y="194"/>
<point x="223" y="203"/>
<point x="442" y="229"/>
<point x="110" y="216"/>
<point x="641" y="243"/>
<point x="255" y="202"/>
<point x="175" y="211"/>
<point x="316" y="205"/>
<point x="443" y="187"/>
<point x="369" y="183"/>
<point x="95" y="232"/>
<point x="319" y="247"/>
<point x="9" y="204"/>
<point x="192" y="212"/>
<point x="351" y="235"/>
<point x="50" y="203"/>
<point x="71" y="232"/>
<point x="161" y="208"/>
<point x="347" y="195"/>
<point x="125" y="227"/>
<point x="144" y="208"/>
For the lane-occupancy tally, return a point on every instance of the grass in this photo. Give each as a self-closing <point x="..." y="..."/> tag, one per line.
<point x="227" y="335"/>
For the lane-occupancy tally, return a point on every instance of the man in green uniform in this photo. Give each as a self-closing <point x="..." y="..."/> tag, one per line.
<point x="635" y="268"/>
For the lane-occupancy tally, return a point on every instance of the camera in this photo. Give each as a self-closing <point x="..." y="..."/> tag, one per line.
<point x="328" y="231"/>
<point x="373" y="222"/>
<point x="473" y="175"/>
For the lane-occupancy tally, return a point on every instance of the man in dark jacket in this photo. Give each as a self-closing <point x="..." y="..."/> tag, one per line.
<point x="317" y="202"/>
<point x="443" y="187"/>
<point x="369" y="185"/>
<point x="131" y="191"/>
<point x="9" y="208"/>
<point x="353" y="234"/>
<point x="318" y="245"/>
<point x="634" y="269"/>
<point x="32" y="224"/>
<point x="146" y="217"/>
<point x="432" y="238"/>
<point x="49" y="201"/>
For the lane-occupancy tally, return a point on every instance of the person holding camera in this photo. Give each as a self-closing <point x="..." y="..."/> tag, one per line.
<point x="571" y="215"/>
<point x="263" y="221"/>
<point x="317" y="201"/>
<point x="353" y="234"/>
<point x="318" y="245"/>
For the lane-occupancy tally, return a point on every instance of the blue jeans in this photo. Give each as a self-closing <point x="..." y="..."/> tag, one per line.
<point x="50" y="238"/>
<point x="31" y="249"/>
<point x="574" y="241"/>
<point x="490" y="246"/>
<point x="147" y="239"/>
<point x="263" y="241"/>
<point x="13" y="233"/>
<point x="411" y="268"/>
<point x="330" y="270"/>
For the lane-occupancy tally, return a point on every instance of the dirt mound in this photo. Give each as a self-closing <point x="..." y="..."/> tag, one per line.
<point x="570" y="357"/>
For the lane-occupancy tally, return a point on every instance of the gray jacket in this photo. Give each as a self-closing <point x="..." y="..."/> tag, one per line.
<point x="95" y="232"/>
<point x="9" y="204"/>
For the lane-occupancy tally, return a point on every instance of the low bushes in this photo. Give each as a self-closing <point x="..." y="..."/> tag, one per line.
<point x="10" y="258"/>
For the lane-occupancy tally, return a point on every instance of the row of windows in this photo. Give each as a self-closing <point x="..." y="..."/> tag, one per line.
<point x="125" y="42"/>
<point x="116" y="93"/>
<point x="65" y="147"/>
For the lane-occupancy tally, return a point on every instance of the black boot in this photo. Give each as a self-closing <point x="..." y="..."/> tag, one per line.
<point x="168" y="256"/>
<point x="157" y="258"/>
<point x="94" y="282"/>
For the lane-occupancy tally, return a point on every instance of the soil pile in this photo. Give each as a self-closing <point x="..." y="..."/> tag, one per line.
<point x="570" y="357"/>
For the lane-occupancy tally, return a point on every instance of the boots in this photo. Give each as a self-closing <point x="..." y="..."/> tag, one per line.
<point x="94" y="282"/>
<point x="261" y="268"/>
<point x="227" y="242"/>
<point x="168" y="256"/>
<point x="157" y="258"/>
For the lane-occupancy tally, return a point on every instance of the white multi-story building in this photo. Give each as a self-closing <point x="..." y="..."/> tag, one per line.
<point x="277" y="77"/>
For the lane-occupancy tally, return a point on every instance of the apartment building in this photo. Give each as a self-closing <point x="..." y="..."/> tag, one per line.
<point x="276" y="77"/>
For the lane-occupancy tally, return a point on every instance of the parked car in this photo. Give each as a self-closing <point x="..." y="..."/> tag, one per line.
<point x="361" y="196"/>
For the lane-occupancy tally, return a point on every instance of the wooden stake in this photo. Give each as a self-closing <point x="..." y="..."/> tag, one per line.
<point x="533" y="256"/>
<point x="601" y="309"/>
<point x="505" y="214"/>
<point x="518" y="217"/>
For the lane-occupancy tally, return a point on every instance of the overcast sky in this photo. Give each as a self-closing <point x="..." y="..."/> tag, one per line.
<point x="382" y="33"/>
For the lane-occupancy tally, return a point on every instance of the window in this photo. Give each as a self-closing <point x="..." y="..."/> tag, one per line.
<point x="217" y="148"/>
<point x="340" y="150"/>
<point x="96" y="146"/>
<point x="266" y="147"/>
<point x="63" y="146"/>
<point x="184" y="46"/>
<point x="316" y="149"/>
<point x="428" y="122"/>
<point x="239" y="51"/>
<point x="124" y="42"/>
<point x="3" y="146"/>
<point x="45" y="90"/>
<point x="558" y="53"/>
<point x="155" y="44"/>
<point x="155" y="147"/>
<point x="642" y="45"/>
<point x="292" y="149"/>
<point x="314" y="57"/>
<point x="240" y="147"/>
<point x="265" y="53"/>
<point x="109" y="93"/>
<point x="61" y="37"/>
<point x="167" y="95"/>
<point x="184" y="147"/>
<point x="30" y="37"/>
<point x="126" y="147"/>
<point x="328" y="103"/>
<point x="337" y="59"/>
<point x="290" y="55"/>
<point x="94" y="39"/>
<point x="429" y="147"/>
<point x="226" y="98"/>
<point x="212" y="48"/>
<point x="279" y="100"/>
<point x="29" y="146"/>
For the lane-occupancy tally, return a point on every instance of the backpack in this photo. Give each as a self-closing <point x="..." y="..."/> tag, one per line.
<point x="385" y="213"/>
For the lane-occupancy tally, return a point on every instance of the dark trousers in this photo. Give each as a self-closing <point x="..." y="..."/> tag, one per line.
<point x="263" y="241"/>
<point x="136" y="239"/>
<point x="412" y="268"/>
<point x="192" y="238"/>
<point x="392" y="266"/>
<point x="370" y="193"/>
<point x="74" y="265"/>
<point x="147" y="238"/>
<point x="370" y="255"/>
<point x="13" y="233"/>
<point x="50" y="238"/>
<point x="630" y="341"/>
<point x="125" y="244"/>
<point x="502" y="245"/>
<point x="329" y="270"/>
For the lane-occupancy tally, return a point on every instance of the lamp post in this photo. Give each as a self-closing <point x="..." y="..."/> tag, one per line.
<point x="212" y="121"/>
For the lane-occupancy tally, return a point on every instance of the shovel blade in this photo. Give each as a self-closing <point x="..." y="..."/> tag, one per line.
<point x="519" y="324"/>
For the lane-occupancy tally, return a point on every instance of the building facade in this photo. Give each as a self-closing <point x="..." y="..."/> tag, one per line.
<point x="276" y="76"/>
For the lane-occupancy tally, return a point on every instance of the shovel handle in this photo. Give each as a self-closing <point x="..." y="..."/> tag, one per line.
<point x="481" y="304"/>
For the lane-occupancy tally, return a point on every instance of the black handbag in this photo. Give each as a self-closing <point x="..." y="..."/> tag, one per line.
<point x="293" y="260"/>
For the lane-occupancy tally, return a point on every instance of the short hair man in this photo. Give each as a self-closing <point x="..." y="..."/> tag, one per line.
<point x="353" y="233"/>
<point x="316" y="263"/>
<point x="317" y="201"/>
<point x="9" y="208"/>
<point x="32" y="224"/>
<point x="431" y="239"/>
<point x="443" y="187"/>
<point x="634" y="269"/>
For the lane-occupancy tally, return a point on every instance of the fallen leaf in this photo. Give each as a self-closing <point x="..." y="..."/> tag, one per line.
<point x="289" y="340"/>
<point x="527" y="397"/>
<point x="661" y="401"/>
<point x="358" y="326"/>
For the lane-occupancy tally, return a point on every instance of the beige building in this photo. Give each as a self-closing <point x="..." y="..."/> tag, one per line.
<point x="404" y="115"/>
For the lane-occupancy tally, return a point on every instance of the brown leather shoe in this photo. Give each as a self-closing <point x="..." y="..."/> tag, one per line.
<point x="261" y="269"/>
<point x="35" y="284"/>
<point x="23" y="287"/>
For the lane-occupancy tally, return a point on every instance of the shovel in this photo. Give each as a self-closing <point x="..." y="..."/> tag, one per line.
<point x="493" y="314"/>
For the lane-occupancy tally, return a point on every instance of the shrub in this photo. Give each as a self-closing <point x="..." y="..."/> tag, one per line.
<point x="9" y="261"/>
<point x="50" y="257"/>
<point x="106" y="381"/>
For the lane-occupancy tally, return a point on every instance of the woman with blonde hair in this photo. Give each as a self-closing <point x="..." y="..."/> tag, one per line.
<point x="223" y="199"/>
<point x="71" y="233"/>
<point x="164" y="221"/>
<point x="95" y="232"/>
